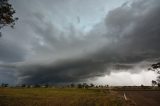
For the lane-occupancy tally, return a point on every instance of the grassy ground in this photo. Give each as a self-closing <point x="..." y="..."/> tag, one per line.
<point x="58" y="97"/>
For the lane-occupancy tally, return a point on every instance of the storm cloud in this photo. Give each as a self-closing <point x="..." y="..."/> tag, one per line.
<point x="126" y="38"/>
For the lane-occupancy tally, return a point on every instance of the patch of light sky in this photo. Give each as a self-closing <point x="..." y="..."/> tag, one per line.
<point x="81" y="14"/>
<point x="126" y="79"/>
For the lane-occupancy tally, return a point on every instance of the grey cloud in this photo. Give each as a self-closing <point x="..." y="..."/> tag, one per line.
<point x="136" y="29"/>
<point x="133" y="36"/>
<point x="7" y="75"/>
<point x="10" y="52"/>
<point x="62" y="71"/>
<point x="128" y="36"/>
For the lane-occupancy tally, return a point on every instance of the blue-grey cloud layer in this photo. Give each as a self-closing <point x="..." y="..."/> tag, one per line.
<point x="49" y="53"/>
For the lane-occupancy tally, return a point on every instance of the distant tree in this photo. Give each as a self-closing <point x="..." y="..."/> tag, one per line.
<point x="79" y="86"/>
<point x="37" y="86"/>
<point x="96" y="86"/>
<point x="91" y="85"/>
<point x="107" y="86"/>
<point x="154" y="83"/>
<point x="23" y="85"/>
<point x="72" y="85"/>
<point x="4" y="85"/>
<point x="142" y="86"/>
<point x="156" y="68"/>
<point x="85" y="85"/>
<point x="6" y="14"/>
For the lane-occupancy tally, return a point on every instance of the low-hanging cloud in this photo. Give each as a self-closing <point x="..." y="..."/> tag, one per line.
<point x="128" y="37"/>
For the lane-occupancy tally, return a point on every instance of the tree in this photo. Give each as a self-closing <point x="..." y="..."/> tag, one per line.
<point x="37" y="86"/>
<point x="156" y="68"/>
<point x="154" y="83"/>
<point x="23" y="85"/>
<point x="4" y="85"/>
<point x="79" y="86"/>
<point x="72" y="85"/>
<point x="85" y="85"/>
<point x="142" y="86"/>
<point x="6" y="14"/>
<point x="91" y="85"/>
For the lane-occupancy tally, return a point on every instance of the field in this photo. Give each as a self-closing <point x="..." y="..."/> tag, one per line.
<point x="59" y="97"/>
<point x="77" y="97"/>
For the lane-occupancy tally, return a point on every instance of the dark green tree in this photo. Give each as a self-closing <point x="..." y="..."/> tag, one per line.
<point x="91" y="85"/>
<point x="156" y="68"/>
<point x="85" y="85"/>
<point x="6" y="14"/>
<point x="4" y="85"/>
<point x="79" y="85"/>
<point x="72" y="85"/>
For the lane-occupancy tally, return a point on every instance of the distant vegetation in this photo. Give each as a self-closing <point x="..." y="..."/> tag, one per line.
<point x="80" y="85"/>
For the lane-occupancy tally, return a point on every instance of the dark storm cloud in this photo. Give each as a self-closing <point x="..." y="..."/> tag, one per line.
<point x="9" y="52"/>
<point x="62" y="71"/>
<point x="7" y="75"/>
<point x="137" y="30"/>
<point x="128" y="37"/>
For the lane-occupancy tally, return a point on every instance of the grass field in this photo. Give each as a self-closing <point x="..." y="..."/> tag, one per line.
<point x="59" y="97"/>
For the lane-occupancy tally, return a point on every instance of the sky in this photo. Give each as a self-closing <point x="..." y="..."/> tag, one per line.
<point x="73" y="41"/>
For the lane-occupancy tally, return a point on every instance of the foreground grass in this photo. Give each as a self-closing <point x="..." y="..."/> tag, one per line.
<point x="58" y="97"/>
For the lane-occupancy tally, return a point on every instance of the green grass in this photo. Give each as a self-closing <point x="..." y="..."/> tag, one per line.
<point x="58" y="97"/>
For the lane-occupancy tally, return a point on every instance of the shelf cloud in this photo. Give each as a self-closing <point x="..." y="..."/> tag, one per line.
<point x="41" y="51"/>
